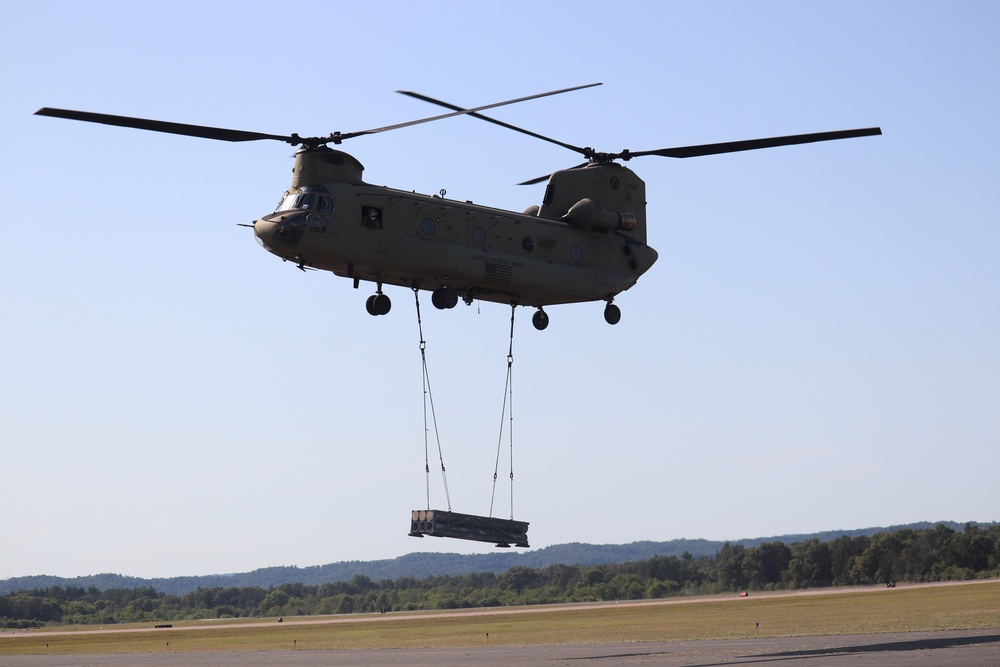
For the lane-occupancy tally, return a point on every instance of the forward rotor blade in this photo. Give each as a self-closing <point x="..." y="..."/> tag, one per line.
<point x="460" y="111"/>
<point x="471" y="112"/>
<point x="754" y="144"/>
<point x="225" y="134"/>
<point x="201" y="131"/>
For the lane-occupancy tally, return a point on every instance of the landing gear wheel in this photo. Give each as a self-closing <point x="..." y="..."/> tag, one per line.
<point x="612" y="314"/>
<point x="444" y="298"/>
<point x="540" y="319"/>
<point x="378" y="304"/>
<point x="381" y="304"/>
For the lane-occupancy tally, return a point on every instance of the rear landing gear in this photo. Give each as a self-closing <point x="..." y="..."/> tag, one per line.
<point x="612" y="313"/>
<point x="540" y="319"/>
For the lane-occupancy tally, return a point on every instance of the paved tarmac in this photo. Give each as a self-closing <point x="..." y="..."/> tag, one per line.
<point x="961" y="648"/>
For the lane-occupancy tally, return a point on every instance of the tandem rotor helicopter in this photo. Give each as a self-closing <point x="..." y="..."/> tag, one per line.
<point x="585" y="242"/>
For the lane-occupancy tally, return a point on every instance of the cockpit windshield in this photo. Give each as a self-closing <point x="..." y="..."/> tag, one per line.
<point x="312" y="198"/>
<point x="287" y="202"/>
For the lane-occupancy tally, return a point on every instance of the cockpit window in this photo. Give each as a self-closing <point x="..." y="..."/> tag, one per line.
<point x="287" y="202"/>
<point x="313" y="198"/>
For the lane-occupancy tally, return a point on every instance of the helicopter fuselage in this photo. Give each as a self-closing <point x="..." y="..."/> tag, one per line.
<point x="578" y="251"/>
<point x="585" y="242"/>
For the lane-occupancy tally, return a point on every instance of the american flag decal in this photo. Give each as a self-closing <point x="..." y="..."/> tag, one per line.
<point x="498" y="273"/>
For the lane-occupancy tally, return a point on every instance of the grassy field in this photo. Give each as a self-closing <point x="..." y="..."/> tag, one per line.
<point x="906" y="608"/>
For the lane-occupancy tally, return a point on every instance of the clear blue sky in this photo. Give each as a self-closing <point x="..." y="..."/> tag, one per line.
<point x="818" y="347"/>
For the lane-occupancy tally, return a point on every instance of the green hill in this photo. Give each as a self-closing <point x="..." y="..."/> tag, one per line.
<point x="420" y="565"/>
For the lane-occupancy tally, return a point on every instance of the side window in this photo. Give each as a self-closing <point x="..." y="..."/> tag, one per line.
<point x="371" y="217"/>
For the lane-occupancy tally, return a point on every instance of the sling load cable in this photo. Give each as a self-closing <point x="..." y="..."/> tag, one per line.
<point x="429" y="397"/>
<point x="438" y="523"/>
<point x="508" y="402"/>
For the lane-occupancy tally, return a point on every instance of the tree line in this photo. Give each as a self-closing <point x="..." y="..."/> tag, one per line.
<point x="936" y="554"/>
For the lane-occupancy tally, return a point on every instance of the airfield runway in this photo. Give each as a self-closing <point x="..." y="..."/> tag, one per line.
<point x="959" y="648"/>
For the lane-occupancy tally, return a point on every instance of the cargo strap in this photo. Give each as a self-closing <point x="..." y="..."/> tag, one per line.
<point x="429" y="400"/>
<point x="507" y="411"/>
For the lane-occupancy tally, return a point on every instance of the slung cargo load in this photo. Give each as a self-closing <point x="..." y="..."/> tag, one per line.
<point x="441" y="523"/>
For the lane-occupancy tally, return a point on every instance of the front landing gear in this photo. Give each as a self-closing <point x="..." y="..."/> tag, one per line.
<point x="378" y="303"/>
<point x="540" y="319"/>
<point x="612" y="313"/>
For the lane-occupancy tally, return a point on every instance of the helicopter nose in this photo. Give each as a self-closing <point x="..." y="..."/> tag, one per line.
<point x="282" y="230"/>
<point x="264" y="229"/>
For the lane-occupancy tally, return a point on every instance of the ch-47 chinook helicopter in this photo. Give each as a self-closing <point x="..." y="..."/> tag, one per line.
<point x="585" y="242"/>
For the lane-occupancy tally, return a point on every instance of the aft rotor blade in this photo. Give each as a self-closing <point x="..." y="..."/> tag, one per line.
<point x="471" y="112"/>
<point x="546" y="177"/>
<point x="754" y="144"/>
<point x="201" y="131"/>
<point x="460" y="111"/>
<point x="537" y="179"/>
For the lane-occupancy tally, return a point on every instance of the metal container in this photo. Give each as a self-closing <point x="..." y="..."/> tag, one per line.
<point x="441" y="523"/>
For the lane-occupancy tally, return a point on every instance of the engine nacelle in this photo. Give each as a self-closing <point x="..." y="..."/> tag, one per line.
<point x="587" y="215"/>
